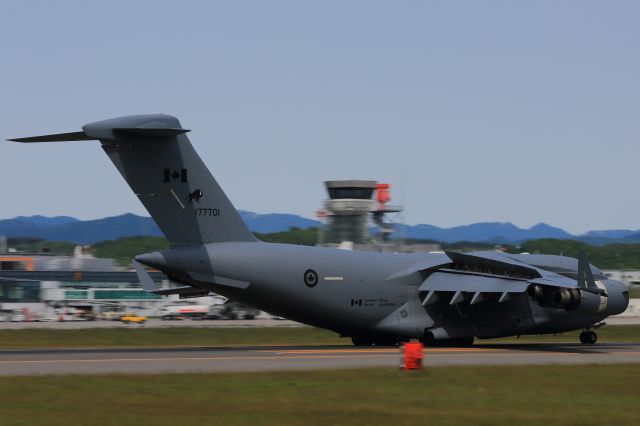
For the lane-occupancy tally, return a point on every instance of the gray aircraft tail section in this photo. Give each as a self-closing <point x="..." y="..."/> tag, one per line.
<point x="155" y="157"/>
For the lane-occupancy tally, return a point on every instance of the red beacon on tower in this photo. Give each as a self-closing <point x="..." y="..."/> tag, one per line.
<point x="352" y="207"/>
<point x="383" y="195"/>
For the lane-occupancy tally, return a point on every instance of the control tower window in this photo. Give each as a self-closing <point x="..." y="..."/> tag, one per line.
<point x="350" y="193"/>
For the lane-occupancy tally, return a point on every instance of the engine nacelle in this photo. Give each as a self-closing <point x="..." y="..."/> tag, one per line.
<point x="591" y="303"/>
<point x="569" y="298"/>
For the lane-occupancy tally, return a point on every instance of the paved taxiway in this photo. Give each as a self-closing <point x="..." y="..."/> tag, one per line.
<point x="232" y="359"/>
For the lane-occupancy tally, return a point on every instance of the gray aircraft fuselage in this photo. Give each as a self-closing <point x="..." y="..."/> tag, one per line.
<point x="375" y="298"/>
<point x="353" y="295"/>
<point x="277" y="281"/>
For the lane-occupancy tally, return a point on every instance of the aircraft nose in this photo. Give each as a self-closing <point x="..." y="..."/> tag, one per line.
<point x="618" y="299"/>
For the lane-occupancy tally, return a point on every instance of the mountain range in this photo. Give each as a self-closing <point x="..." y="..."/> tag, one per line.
<point x="65" y="228"/>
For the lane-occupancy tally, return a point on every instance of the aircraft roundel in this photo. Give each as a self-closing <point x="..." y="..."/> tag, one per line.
<point x="310" y="278"/>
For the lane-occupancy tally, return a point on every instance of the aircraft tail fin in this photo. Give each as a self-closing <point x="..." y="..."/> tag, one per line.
<point x="157" y="160"/>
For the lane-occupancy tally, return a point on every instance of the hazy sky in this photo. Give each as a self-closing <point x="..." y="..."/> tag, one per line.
<point x="473" y="110"/>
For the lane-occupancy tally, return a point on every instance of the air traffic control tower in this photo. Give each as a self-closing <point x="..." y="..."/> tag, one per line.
<point x="351" y="209"/>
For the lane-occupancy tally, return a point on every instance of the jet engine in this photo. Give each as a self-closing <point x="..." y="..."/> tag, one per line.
<point x="579" y="300"/>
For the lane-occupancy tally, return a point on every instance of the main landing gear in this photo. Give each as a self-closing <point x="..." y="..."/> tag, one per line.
<point x="588" y="337"/>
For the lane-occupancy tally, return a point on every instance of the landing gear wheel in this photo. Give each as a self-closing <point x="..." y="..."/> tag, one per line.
<point x="588" y="337"/>
<point x="583" y="337"/>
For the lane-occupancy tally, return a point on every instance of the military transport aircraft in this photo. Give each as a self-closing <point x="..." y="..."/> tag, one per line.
<point x="374" y="298"/>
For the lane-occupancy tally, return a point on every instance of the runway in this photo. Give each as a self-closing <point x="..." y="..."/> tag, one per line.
<point x="262" y="358"/>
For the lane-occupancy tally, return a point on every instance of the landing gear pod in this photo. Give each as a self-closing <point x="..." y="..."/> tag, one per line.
<point x="442" y="337"/>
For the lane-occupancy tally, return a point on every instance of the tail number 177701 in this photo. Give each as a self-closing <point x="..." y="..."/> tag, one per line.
<point x="207" y="212"/>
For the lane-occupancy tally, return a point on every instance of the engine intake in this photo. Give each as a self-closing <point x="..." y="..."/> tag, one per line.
<point x="567" y="298"/>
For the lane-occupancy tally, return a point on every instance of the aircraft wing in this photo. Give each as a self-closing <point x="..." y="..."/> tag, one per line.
<point x="416" y="273"/>
<point x="455" y="277"/>
<point x="497" y="263"/>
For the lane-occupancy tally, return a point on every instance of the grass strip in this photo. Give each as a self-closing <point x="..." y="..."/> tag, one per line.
<point x="481" y="395"/>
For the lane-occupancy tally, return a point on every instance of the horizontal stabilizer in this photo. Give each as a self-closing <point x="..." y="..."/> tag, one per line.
<point x="217" y="280"/>
<point x="185" y="291"/>
<point x="149" y="132"/>
<point x="119" y="133"/>
<point x="58" y="137"/>
<point x="145" y="279"/>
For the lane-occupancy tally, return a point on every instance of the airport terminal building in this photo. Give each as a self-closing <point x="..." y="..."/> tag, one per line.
<point x="58" y="282"/>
